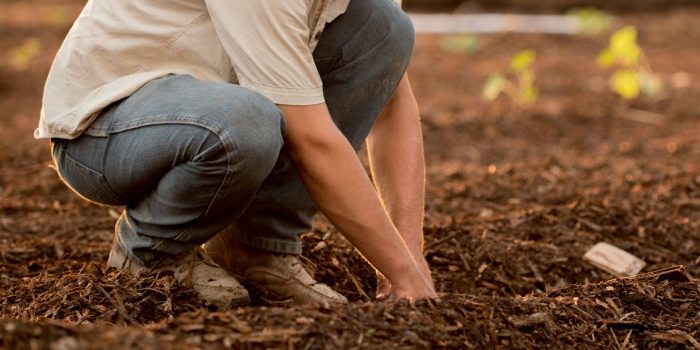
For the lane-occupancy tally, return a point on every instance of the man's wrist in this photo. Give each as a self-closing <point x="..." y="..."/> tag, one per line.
<point x="413" y="239"/>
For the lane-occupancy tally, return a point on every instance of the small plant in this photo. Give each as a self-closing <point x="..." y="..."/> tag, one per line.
<point x="524" y="93"/>
<point x="467" y="43"/>
<point x="633" y="75"/>
<point x="590" y="20"/>
<point x="21" y="56"/>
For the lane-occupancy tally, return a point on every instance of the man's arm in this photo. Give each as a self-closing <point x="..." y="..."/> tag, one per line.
<point x="396" y="158"/>
<point x="333" y="175"/>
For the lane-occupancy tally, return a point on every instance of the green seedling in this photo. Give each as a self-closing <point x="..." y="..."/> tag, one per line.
<point x="591" y="21"/>
<point x="633" y="75"/>
<point x="461" y="43"/>
<point x="21" y="56"/>
<point x="524" y="93"/>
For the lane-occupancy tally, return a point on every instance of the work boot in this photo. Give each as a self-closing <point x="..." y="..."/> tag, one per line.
<point x="194" y="270"/>
<point x="281" y="274"/>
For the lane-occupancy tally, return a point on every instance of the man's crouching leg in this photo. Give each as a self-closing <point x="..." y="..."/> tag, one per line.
<point x="361" y="57"/>
<point x="185" y="157"/>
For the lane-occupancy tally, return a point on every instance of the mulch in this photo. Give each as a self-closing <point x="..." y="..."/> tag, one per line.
<point x="515" y="197"/>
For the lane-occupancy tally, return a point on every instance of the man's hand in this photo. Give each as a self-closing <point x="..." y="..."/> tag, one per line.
<point x="334" y="177"/>
<point x="396" y="157"/>
<point x="384" y="287"/>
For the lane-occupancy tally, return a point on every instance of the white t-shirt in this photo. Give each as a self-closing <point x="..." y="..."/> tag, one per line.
<point x="117" y="46"/>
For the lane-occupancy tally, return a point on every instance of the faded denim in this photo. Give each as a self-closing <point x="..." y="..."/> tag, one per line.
<point x="190" y="158"/>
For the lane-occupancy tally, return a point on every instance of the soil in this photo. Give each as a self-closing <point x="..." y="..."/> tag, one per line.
<point x="515" y="197"/>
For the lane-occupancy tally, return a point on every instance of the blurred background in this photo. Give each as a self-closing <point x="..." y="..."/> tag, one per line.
<point x="549" y="126"/>
<point x="542" y="6"/>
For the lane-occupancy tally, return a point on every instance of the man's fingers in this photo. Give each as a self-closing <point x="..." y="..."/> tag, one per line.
<point x="383" y="287"/>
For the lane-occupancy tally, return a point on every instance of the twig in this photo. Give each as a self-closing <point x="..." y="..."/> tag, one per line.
<point x="356" y="283"/>
<point x="119" y="302"/>
<point x="582" y="311"/>
<point x="330" y="233"/>
<point x="593" y="226"/>
<point x="441" y="241"/>
<point x="627" y="340"/>
<point x="120" y="310"/>
<point x="492" y="336"/>
<point x="535" y="271"/>
<point x="641" y="116"/>
<point x="617" y="343"/>
<point x="687" y="336"/>
<point x="83" y="317"/>
<point x="168" y="305"/>
<point x="310" y="343"/>
<point x="461" y="256"/>
<point x="614" y="308"/>
<point x="529" y="320"/>
<point x="655" y="303"/>
<point x="540" y="171"/>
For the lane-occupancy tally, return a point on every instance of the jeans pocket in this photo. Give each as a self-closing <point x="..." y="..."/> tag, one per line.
<point x="84" y="181"/>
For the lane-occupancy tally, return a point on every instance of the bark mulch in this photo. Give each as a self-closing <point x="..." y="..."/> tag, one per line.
<point x="515" y="197"/>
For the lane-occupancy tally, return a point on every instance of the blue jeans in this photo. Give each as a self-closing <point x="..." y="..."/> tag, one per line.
<point x="190" y="158"/>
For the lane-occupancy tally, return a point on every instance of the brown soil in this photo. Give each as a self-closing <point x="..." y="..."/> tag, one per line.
<point x="515" y="198"/>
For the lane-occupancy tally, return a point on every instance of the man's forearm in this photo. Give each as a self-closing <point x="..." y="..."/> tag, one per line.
<point x="336" y="181"/>
<point x="396" y="157"/>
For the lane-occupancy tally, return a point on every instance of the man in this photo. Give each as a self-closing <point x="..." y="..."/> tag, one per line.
<point x="232" y="123"/>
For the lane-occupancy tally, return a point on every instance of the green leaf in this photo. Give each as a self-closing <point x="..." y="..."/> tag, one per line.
<point x="493" y="87"/>
<point x="21" y="56"/>
<point x="529" y="95"/>
<point x="623" y="44"/>
<point x="623" y="37"/>
<point x="605" y="59"/>
<point x="522" y="60"/>
<point x="626" y="83"/>
<point x="468" y="43"/>
<point x="590" y="20"/>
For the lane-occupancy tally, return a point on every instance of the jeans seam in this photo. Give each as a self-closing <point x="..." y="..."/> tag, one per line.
<point x="269" y="244"/>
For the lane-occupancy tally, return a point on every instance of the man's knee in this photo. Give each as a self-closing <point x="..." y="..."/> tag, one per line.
<point x="257" y="133"/>
<point x="392" y="25"/>
<point x="400" y="31"/>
